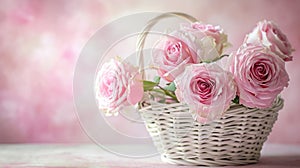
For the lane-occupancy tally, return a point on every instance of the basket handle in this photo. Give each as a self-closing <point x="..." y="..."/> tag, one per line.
<point x="142" y="37"/>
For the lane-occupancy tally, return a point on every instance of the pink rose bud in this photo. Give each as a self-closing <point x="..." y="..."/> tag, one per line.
<point x="268" y="34"/>
<point x="117" y="85"/>
<point x="260" y="75"/>
<point x="207" y="89"/>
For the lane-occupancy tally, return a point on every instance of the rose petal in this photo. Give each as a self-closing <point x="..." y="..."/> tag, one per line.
<point x="135" y="91"/>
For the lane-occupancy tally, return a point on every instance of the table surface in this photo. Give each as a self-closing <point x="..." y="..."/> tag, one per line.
<point x="90" y="155"/>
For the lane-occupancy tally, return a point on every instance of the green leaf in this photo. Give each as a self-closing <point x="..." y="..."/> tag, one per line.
<point x="171" y="87"/>
<point x="236" y="100"/>
<point x="156" y="79"/>
<point x="158" y="91"/>
<point x="149" y="85"/>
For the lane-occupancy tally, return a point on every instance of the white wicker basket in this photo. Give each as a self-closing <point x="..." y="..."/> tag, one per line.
<point x="235" y="139"/>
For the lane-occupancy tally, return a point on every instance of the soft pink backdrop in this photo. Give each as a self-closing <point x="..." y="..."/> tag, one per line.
<point x="40" y="42"/>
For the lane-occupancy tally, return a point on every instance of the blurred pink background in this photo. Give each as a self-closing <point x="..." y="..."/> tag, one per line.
<point x="40" y="41"/>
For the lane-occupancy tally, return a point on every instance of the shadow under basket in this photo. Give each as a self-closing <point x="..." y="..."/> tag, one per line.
<point x="235" y="139"/>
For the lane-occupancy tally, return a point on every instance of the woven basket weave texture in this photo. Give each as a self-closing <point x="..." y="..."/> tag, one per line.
<point x="235" y="139"/>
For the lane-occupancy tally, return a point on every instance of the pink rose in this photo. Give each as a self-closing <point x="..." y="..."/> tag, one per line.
<point x="171" y="55"/>
<point x="206" y="40"/>
<point x="117" y="85"/>
<point x="260" y="76"/>
<point x="191" y="44"/>
<point x="207" y="89"/>
<point x="268" y="34"/>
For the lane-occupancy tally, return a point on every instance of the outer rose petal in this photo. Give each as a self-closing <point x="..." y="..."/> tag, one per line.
<point x="201" y="119"/>
<point x="135" y="91"/>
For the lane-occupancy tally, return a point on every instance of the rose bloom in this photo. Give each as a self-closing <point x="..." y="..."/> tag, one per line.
<point x="191" y="44"/>
<point x="260" y="75"/>
<point x="268" y="34"/>
<point x="207" y="89"/>
<point x="171" y="55"/>
<point x="206" y="40"/>
<point x="117" y="85"/>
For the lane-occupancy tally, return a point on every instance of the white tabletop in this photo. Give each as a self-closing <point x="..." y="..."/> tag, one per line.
<point x="90" y="155"/>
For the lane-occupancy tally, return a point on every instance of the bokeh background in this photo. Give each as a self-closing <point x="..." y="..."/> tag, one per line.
<point x="40" y="41"/>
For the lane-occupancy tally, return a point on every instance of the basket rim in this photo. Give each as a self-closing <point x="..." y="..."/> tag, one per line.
<point x="278" y="102"/>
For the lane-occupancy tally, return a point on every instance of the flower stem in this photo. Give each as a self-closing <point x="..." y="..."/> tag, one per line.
<point x="169" y="93"/>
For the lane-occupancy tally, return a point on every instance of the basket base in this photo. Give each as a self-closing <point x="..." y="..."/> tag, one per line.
<point x="209" y="161"/>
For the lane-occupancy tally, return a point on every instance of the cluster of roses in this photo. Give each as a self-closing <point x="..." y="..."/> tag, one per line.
<point x="189" y="59"/>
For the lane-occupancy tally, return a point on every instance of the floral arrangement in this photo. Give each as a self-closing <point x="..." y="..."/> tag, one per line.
<point x="191" y="70"/>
